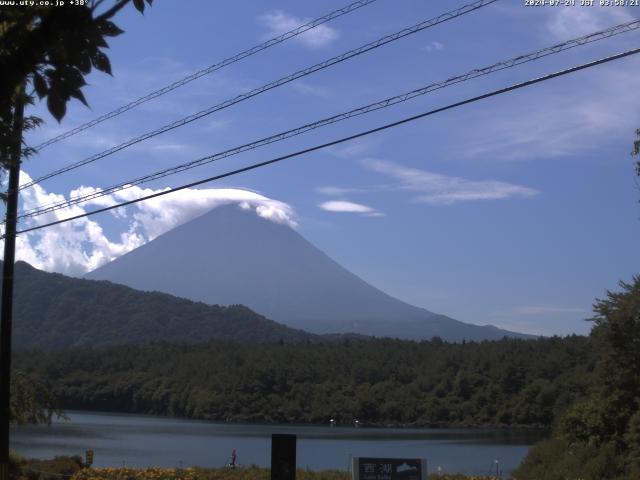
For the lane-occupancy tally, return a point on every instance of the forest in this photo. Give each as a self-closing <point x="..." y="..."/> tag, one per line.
<point x="378" y="382"/>
<point x="587" y="389"/>
<point x="598" y="437"/>
<point x="51" y="312"/>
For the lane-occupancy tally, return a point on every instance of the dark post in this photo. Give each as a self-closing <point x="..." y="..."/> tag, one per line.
<point x="6" y="311"/>
<point x="283" y="457"/>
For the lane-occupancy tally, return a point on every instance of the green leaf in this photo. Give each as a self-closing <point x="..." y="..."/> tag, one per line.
<point x="99" y="41"/>
<point x="139" y="4"/>
<point x="56" y="105"/>
<point x="109" y="29"/>
<point x="101" y="62"/>
<point x="74" y="76"/>
<point x="31" y="122"/>
<point x="79" y="95"/>
<point x="40" y="84"/>
<point x="84" y="63"/>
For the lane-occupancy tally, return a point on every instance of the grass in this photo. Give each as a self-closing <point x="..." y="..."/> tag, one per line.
<point x="72" y="468"/>
<point x="252" y="473"/>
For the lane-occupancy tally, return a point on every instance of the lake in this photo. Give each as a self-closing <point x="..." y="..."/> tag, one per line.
<point x="141" y="440"/>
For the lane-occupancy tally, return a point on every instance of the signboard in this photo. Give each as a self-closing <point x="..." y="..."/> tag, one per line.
<point x="389" y="469"/>
<point x="283" y="457"/>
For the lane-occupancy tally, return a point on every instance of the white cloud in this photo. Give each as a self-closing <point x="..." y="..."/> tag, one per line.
<point x="73" y="247"/>
<point x="345" y="206"/>
<point x="565" y="119"/>
<point x="355" y="149"/>
<point x="279" y="22"/>
<point x="79" y="246"/>
<point x="160" y="214"/>
<point x="437" y="189"/>
<point x="566" y="23"/>
<point x="434" y="46"/>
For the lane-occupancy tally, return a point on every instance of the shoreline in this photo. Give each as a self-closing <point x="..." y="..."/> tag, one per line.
<point x="381" y="426"/>
<point x="146" y="440"/>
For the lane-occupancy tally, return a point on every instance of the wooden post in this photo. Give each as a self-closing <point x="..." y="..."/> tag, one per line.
<point x="6" y="310"/>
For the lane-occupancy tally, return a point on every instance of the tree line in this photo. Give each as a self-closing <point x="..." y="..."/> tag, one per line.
<point x="378" y="382"/>
<point x="598" y="437"/>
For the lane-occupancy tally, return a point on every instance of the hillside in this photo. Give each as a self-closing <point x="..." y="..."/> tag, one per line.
<point x="232" y="256"/>
<point x="52" y="311"/>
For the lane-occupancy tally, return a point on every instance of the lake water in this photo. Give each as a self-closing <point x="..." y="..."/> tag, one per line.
<point x="140" y="441"/>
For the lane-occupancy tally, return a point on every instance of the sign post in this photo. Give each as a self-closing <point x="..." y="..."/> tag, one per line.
<point x="283" y="457"/>
<point x="88" y="458"/>
<point x="389" y="468"/>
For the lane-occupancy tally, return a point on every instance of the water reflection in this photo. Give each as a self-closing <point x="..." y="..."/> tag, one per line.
<point x="137" y="440"/>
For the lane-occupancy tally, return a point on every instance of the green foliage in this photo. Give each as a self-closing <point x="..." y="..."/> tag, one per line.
<point x="588" y="421"/>
<point x="54" y="311"/>
<point x="55" y="48"/>
<point x="617" y="332"/>
<point x="599" y="436"/>
<point x="379" y="382"/>
<point x="31" y="401"/>
<point x="555" y="459"/>
<point x="73" y="467"/>
<point x="53" y="469"/>
<point x="632" y="441"/>
<point x="251" y="473"/>
<point x="52" y="49"/>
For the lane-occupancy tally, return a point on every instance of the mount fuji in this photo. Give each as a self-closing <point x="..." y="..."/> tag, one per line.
<point x="233" y="256"/>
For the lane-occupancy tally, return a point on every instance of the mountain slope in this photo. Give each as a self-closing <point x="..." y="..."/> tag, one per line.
<point x="232" y="256"/>
<point x="52" y="311"/>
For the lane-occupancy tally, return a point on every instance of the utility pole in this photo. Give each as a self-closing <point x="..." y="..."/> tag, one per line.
<point x="6" y="310"/>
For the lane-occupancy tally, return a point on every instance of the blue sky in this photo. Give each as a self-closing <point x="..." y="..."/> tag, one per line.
<point x="516" y="211"/>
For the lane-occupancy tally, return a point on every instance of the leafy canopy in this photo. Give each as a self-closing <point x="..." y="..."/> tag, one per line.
<point x="46" y="51"/>
<point x="51" y="49"/>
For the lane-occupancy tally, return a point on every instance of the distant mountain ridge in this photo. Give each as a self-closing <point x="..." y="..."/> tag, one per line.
<point x="53" y="311"/>
<point x="232" y="256"/>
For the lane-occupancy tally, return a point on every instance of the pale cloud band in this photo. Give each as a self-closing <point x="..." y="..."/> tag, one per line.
<point x="544" y="319"/>
<point x="279" y="22"/>
<point x="337" y="191"/>
<point x="535" y="310"/>
<point x="565" y="23"/>
<point x="82" y="245"/>
<point x="437" y="189"/>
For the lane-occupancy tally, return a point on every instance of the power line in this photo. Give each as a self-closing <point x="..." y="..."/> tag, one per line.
<point x="343" y="139"/>
<point x="343" y="116"/>
<point x="210" y="69"/>
<point x="519" y="60"/>
<point x="269" y="86"/>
